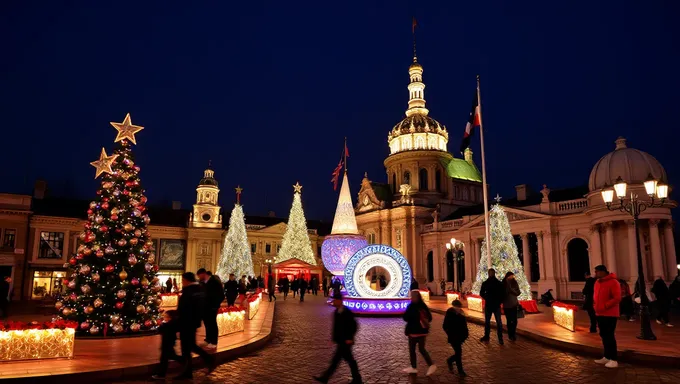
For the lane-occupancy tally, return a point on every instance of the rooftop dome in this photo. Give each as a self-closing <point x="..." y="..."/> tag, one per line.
<point x="208" y="178"/>
<point x="632" y="165"/>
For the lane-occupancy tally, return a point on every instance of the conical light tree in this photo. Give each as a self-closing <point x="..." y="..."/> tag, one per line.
<point x="296" y="243"/>
<point x="111" y="286"/>
<point x="504" y="256"/>
<point x="235" y="257"/>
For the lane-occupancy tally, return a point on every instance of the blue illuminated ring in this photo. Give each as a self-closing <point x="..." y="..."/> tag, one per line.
<point x="378" y="252"/>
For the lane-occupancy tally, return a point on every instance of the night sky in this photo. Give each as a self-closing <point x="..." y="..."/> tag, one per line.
<point x="268" y="90"/>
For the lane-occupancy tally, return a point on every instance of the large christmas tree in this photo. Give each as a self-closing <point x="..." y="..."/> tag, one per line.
<point x="235" y="257"/>
<point x="504" y="256"/>
<point x="111" y="284"/>
<point x="296" y="243"/>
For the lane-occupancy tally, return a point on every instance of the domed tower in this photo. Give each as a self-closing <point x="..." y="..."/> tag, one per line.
<point x="206" y="211"/>
<point x="419" y="164"/>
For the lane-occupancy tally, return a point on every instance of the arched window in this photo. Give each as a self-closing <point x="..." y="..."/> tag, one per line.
<point x="422" y="179"/>
<point x="407" y="177"/>
<point x="438" y="180"/>
<point x="449" y="266"/>
<point x="371" y="238"/>
<point x="578" y="260"/>
<point x="394" y="183"/>
<point x="456" y="192"/>
<point x="430" y="267"/>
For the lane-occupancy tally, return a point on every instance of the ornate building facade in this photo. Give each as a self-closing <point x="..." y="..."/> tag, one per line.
<point x="39" y="233"/>
<point x="431" y="197"/>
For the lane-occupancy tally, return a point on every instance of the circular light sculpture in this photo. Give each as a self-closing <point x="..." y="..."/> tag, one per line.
<point x="386" y="297"/>
<point x="337" y="249"/>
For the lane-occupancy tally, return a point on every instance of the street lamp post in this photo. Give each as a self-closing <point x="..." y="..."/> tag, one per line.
<point x="634" y="207"/>
<point x="269" y="265"/>
<point x="456" y="248"/>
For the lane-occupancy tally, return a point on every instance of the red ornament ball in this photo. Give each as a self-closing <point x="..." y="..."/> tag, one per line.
<point x="114" y="217"/>
<point x="119" y="305"/>
<point x="126" y="192"/>
<point x="105" y="205"/>
<point x="72" y="261"/>
<point x="89" y="212"/>
<point x="100" y="253"/>
<point x="105" y="199"/>
<point x="103" y="228"/>
<point x="148" y="323"/>
<point x="109" y="268"/>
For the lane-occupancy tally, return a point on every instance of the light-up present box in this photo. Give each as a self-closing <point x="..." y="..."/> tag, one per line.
<point x="169" y="300"/>
<point x="33" y="344"/>
<point x="563" y="314"/>
<point x="254" y="304"/>
<point x="475" y="303"/>
<point x="230" y="320"/>
<point x="451" y="296"/>
<point x="425" y="294"/>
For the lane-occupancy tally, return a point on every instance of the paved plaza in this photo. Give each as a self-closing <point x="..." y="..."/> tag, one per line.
<point x="301" y="348"/>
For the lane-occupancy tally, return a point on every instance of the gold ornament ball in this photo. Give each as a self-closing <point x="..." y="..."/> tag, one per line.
<point x="95" y="277"/>
<point x="128" y="227"/>
<point x="138" y="233"/>
<point x="89" y="309"/>
<point x="87" y="251"/>
<point x="58" y="305"/>
<point x="123" y="275"/>
<point x="140" y="308"/>
<point x="151" y="258"/>
<point x="115" y="319"/>
<point x="145" y="281"/>
<point x="122" y="242"/>
<point x="67" y="311"/>
<point x="94" y="330"/>
<point x="159" y="302"/>
<point x="135" y="327"/>
<point x="117" y="328"/>
<point x="134" y="241"/>
<point x="98" y="302"/>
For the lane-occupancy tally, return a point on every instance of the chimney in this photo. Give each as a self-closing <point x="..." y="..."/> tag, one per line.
<point x="39" y="189"/>
<point x="522" y="192"/>
<point x="176" y="205"/>
<point x="271" y="214"/>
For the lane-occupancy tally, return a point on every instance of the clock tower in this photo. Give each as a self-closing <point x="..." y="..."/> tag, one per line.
<point x="206" y="211"/>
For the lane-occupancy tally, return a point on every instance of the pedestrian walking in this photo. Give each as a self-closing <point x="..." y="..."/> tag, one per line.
<point x="168" y="285"/>
<point x="455" y="326"/>
<point x="190" y="308"/>
<point x="168" y="331"/>
<point x="588" y="291"/>
<point x="295" y="285"/>
<point x="5" y="285"/>
<point x="303" y="288"/>
<point x="175" y="288"/>
<point x="418" y="318"/>
<point x="663" y="301"/>
<point x="324" y="286"/>
<point x="271" y="287"/>
<point x="511" y="304"/>
<point x="284" y="283"/>
<point x="214" y="295"/>
<point x="231" y="290"/>
<point x="606" y="301"/>
<point x="314" y="285"/>
<point x="344" y="329"/>
<point x="493" y="293"/>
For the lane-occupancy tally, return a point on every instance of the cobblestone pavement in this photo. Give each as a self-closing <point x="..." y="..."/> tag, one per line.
<point x="301" y="348"/>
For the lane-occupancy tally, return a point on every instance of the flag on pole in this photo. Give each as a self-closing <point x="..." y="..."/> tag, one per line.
<point x="346" y="151"/>
<point x="336" y="175"/>
<point x="473" y="121"/>
<point x="413" y="25"/>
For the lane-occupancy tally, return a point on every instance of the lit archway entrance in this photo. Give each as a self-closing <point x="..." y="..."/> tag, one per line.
<point x="578" y="259"/>
<point x="430" y="267"/>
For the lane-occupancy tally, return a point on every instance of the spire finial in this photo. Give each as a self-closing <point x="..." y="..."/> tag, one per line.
<point x="414" y="23"/>
<point x="209" y="163"/>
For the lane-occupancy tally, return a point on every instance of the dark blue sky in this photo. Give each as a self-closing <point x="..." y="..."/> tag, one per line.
<point x="268" y="90"/>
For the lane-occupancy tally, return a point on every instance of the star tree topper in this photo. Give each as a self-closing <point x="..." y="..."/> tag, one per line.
<point x="297" y="187"/>
<point x="103" y="164"/>
<point x="126" y="130"/>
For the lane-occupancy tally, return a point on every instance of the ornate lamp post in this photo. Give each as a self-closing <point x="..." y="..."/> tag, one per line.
<point x="456" y="247"/>
<point x="634" y="207"/>
<point x="269" y="265"/>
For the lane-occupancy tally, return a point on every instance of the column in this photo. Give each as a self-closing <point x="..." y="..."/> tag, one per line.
<point x="541" y="256"/>
<point x="632" y="252"/>
<point x="470" y="260"/>
<point x="526" y="255"/>
<point x="548" y="250"/>
<point x="609" y="243"/>
<point x="455" y="269"/>
<point x="595" y="250"/>
<point x="669" y="242"/>
<point x="655" y="247"/>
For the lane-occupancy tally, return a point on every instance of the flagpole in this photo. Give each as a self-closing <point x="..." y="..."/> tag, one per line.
<point x="484" y="186"/>
<point x="344" y="154"/>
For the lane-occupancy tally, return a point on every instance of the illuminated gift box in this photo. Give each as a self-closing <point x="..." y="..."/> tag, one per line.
<point x="230" y="320"/>
<point x="31" y="344"/>
<point x="254" y="304"/>
<point x="425" y="294"/>
<point x="564" y="315"/>
<point x="451" y="296"/>
<point x="475" y="303"/>
<point x="169" y="300"/>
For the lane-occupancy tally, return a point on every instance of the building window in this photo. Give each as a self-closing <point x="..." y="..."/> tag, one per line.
<point x="47" y="283"/>
<point x="9" y="238"/>
<point x="422" y="176"/>
<point x="278" y="248"/>
<point x="456" y="192"/>
<point x="253" y="247"/>
<point x="407" y="177"/>
<point x="394" y="183"/>
<point x="267" y="248"/>
<point x="438" y="180"/>
<point x="51" y="245"/>
<point x="371" y="238"/>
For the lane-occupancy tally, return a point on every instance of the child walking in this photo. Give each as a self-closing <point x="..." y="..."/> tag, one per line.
<point x="168" y="331"/>
<point x="455" y="326"/>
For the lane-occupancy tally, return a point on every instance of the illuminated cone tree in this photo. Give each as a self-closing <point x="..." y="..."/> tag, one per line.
<point x="504" y="255"/>
<point x="296" y="243"/>
<point x="235" y="257"/>
<point x="111" y="286"/>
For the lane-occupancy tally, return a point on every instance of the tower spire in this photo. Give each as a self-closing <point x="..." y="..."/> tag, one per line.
<point x="416" y="88"/>
<point x="413" y="31"/>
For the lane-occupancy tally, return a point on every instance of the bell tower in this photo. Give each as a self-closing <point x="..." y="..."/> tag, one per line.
<point x="206" y="212"/>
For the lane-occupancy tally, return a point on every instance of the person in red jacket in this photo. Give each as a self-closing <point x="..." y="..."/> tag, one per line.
<point x="606" y="299"/>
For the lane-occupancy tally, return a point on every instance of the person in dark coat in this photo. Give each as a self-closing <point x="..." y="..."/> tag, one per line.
<point x="214" y="295"/>
<point x="231" y="290"/>
<point x="168" y="331"/>
<point x="663" y="301"/>
<point x="455" y="326"/>
<point x="295" y="285"/>
<point x="344" y="329"/>
<point x="271" y="287"/>
<point x="418" y="318"/>
<point x="284" y="283"/>
<point x="190" y="308"/>
<point x="168" y="285"/>
<point x="414" y="284"/>
<point x="588" y="292"/>
<point x="510" y="303"/>
<point x="324" y="286"/>
<point x="314" y="285"/>
<point x="674" y="290"/>
<point x="493" y="293"/>
<point x="4" y="295"/>
<point x="303" y="288"/>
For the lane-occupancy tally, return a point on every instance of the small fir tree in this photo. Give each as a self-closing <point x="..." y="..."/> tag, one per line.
<point x="504" y="256"/>
<point x="235" y="257"/>
<point x="111" y="285"/>
<point x="296" y="243"/>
